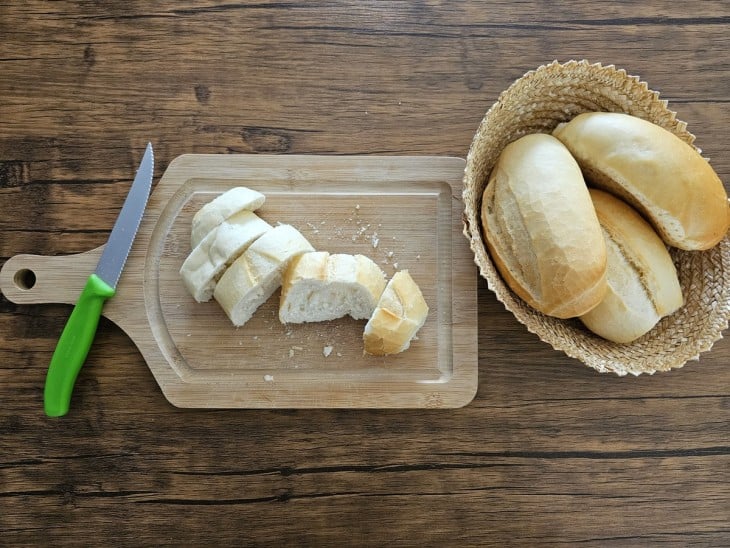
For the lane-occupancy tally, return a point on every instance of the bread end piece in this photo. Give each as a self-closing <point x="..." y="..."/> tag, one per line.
<point x="400" y="313"/>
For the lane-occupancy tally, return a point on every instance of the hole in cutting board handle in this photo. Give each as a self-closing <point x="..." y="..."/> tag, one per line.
<point x="24" y="279"/>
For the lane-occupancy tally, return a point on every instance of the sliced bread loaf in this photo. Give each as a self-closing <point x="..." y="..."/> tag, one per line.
<point x="255" y="275"/>
<point x="318" y="287"/>
<point x="220" y="247"/>
<point x="221" y="208"/>
<point x="400" y="313"/>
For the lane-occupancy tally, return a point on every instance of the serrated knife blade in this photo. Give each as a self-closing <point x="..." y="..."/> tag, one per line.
<point x="120" y="241"/>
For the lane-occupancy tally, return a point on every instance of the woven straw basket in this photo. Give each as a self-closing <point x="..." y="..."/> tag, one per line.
<point x="538" y="102"/>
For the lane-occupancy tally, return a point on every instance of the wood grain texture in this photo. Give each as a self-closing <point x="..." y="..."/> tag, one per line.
<point x="549" y="452"/>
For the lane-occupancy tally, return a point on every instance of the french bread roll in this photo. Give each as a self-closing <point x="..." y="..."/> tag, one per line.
<point x="663" y="177"/>
<point x="221" y="208"/>
<point x="643" y="285"/>
<point x="319" y="287"/>
<point x="400" y="313"/>
<point x="541" y="229"/>
<point x="255" y="275"/>
<point x="220" y="247"/>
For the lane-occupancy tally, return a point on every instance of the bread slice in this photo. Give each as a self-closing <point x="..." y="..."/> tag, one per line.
<point x="400" y="313"/>
<point x="255" y="275"/>
<point x="220" y="247"/>
<point x="221" y="208"/>
<point x="661" y="176"/>
<point x="642" y="281"/>
<point x="319" y="287"/>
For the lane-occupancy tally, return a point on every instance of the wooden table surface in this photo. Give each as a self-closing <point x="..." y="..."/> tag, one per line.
<point x="548" y="452"/>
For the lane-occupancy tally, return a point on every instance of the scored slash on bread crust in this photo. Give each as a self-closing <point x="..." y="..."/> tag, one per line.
<point x="220" y="247"/>
<point x="400" y="313"/>
<point x="257" y="274"/>
<point x="221" y="208"/>
<point x="319" y="287"/>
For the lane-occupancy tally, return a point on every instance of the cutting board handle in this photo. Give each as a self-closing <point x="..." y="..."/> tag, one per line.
<point x="38" y="279"/>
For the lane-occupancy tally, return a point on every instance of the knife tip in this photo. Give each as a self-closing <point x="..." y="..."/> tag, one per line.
<point x="149" y="152"/>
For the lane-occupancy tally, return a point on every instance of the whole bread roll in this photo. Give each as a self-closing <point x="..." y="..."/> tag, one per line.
<point x="400" y="313"/>
<point x="541" y="228"/>
<point x="642" y="281"/>
<point x="653" y="170"/>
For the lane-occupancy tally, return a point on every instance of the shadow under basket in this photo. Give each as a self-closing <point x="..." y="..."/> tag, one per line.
<point x="537" y="103"/>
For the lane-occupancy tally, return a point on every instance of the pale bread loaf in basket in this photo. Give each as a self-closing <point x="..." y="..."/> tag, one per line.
<point x="537" y="103"/>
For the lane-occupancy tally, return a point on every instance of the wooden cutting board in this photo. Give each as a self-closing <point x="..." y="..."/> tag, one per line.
<point x="403" y="212"/>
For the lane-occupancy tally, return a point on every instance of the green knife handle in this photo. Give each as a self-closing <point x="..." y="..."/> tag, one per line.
<point x="74" y="345"/>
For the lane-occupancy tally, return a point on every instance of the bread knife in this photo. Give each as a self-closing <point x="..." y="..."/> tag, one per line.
<point x="78" y="334"/>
